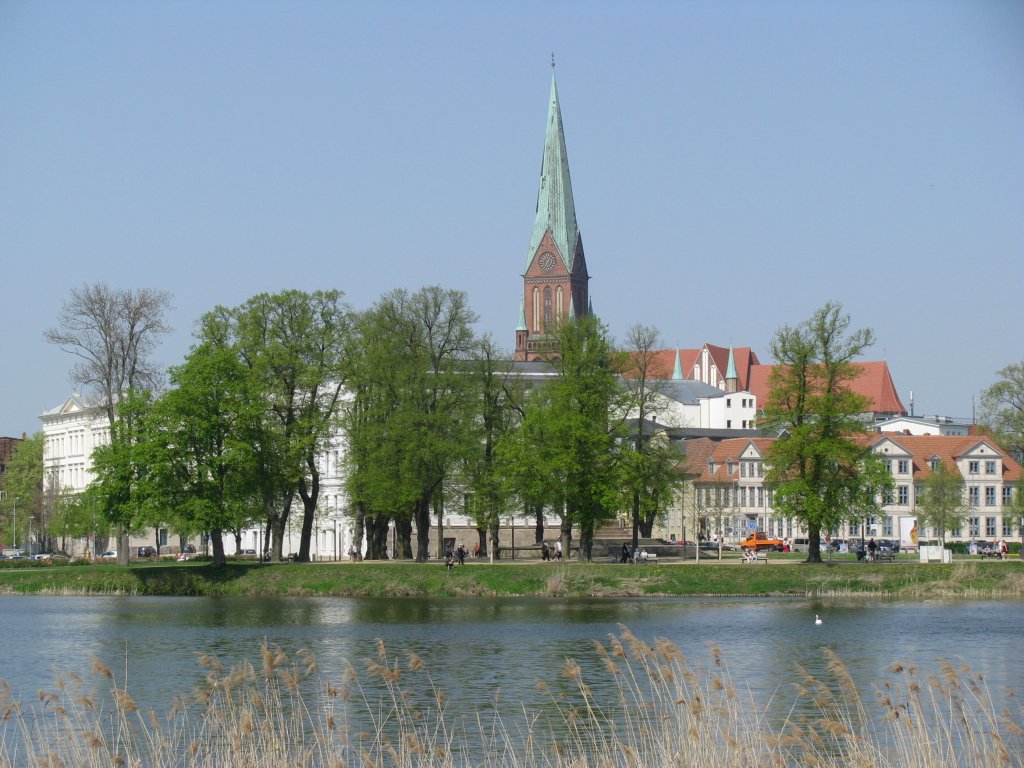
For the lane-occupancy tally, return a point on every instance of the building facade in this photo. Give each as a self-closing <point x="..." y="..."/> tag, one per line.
<point x="729" y="493"/>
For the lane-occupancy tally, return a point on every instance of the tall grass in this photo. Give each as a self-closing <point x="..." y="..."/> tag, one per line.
<point x="656" y="710"/>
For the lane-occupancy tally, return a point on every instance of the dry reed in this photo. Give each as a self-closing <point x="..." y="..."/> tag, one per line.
<point x="664" y="713"/>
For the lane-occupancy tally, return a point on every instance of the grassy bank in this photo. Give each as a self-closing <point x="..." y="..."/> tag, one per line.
<point x="908" y="579"/>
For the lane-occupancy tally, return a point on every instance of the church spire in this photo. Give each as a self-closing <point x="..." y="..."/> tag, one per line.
<point x="556" y="212"/>
<point x="677" y="370"/>
<point x="731" y="379"/>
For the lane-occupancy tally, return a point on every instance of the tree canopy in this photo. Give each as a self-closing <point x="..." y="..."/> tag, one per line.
<point x="822" y="469"/>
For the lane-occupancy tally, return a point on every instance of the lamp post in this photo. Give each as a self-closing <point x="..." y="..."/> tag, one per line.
<point x="15" y="522"/>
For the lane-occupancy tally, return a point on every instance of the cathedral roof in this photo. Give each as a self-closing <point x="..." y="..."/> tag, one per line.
<point x="556" y="212"/>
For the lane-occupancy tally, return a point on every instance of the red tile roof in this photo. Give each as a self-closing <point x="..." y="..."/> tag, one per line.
<point x="948" y="448"/>
<point x="874" y="382"/>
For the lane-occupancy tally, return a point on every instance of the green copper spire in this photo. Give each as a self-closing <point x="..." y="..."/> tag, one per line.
<point x="677" y="371"/>
<point x="522" y="316"/>
<point x="730" y="371"/>
<point x="556" y="212"/>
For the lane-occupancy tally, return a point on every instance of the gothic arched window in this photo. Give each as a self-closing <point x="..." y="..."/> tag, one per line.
<point x="547" y="308"/>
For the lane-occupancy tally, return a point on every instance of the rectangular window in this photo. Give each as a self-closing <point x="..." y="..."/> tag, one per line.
<point x="887" y="496"/>
<point x="990" y="526"/>
<point x="887" y="526"/>
<point x="903" y="466"/>
<point x="728" y="402"/>
<point x="743" y="469"/>
<point x="972" y="467"/>
<point x="728" y="423"/>
<point x="973" y="496"/>
<point x="975" y="527"/>
<point x="771" y="498"/>
<point x="955" y="531"/>
<point x="163" y="537"/>
<point x="990" y="467"/>
<point x="903" y="495"/>
<point x="1007" y="491"/>
<point x="1007" y="527"/>
<point x="990" y="495"/>
<point x="760" y="497"/>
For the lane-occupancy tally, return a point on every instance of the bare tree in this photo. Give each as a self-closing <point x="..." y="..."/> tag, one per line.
<point x="113" y="333"/>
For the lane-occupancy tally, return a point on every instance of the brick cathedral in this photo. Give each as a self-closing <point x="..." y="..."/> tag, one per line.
<point x="555" y="281"/>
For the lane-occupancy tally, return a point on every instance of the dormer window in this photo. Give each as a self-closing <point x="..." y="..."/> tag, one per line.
<point x="730" y="467"/>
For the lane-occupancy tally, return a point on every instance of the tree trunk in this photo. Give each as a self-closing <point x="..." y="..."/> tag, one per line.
<point x="636" y="517"/>
<point x="538" y="531"/>
<point x="495" y="550"/>
<point x="439" y="512"/>
<point x="422" y="516"/>
<point x="358" y="527"/>
<point x="216" y="537"/>
<point x="566" y="538"/>
<point x="277" y="522"/>
<point x="813" y="544"/>
<point x="238" y="541"/>
<point x="310" y="496"/>
<point x="376" y="536"/>
<point x="481" y="538"/>
<point x="403" y="549"/>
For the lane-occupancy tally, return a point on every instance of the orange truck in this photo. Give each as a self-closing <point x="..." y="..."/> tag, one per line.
<point x="759" y="540"/>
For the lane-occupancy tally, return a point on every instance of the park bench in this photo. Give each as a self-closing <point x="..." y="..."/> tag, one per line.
<point x="885" y="557"/>
<point x="755" y="557"/>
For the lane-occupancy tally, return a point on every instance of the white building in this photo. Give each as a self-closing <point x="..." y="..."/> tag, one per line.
<point x="73" y="429"/>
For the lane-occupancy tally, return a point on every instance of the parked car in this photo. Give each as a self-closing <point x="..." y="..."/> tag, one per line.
<point x="146" y="552"/>
<point x="110" y="554"/>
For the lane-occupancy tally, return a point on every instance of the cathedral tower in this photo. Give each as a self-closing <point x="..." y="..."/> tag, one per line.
<point x="555" y="281"/>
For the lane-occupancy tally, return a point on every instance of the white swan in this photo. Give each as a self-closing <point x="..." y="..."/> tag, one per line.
<point x="816" y="619"/>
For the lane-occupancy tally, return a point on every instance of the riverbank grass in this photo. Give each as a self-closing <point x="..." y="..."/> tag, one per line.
<point x="907" y="579"/>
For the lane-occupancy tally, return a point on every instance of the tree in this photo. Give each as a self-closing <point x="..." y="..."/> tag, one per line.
<point x="496" y="388"/>
<point x="822" y="468"/>
<point x="202" y="457"/>
<point x="23" y="502"/>
<point x="941" y="503"/>
<point x="1002" y="407"/>
<point x="113" y="333"/>
<point x="648" y="463"/>
<point x="297" y="346"/>
<point x="120" y="491"/>
<point x="563" y="455"/>
<point x="409" y="424"/>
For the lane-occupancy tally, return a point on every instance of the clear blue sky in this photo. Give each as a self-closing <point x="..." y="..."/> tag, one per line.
<point x="735" y="165"/>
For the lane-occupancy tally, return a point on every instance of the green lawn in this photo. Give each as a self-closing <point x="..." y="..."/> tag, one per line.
<point x="782" y="575"/>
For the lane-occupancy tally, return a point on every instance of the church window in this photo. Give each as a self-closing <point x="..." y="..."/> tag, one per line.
<point x="536" y="310"/>
<point x="547" y="308"/>
<point x="561" y="305"/>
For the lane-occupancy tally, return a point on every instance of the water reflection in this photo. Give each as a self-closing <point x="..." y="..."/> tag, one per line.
<point x="476" y="648"/>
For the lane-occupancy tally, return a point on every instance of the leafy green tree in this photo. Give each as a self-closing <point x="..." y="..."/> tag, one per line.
<point x="496" y="389"/>
<point x="941" y="503"/>
<point x="1002" y="408"/>
<point x="409" y="424"/>
<point x="120" y="491"/>
<point x="822" y="469"/>
<point x="202" y="456"/>
<point x="297" y="345"/>
<point x="23" y="502"/>
<point x="564" y="453"/>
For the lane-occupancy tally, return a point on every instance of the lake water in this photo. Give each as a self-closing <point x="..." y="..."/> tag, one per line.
<point x="475" y="647"/>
